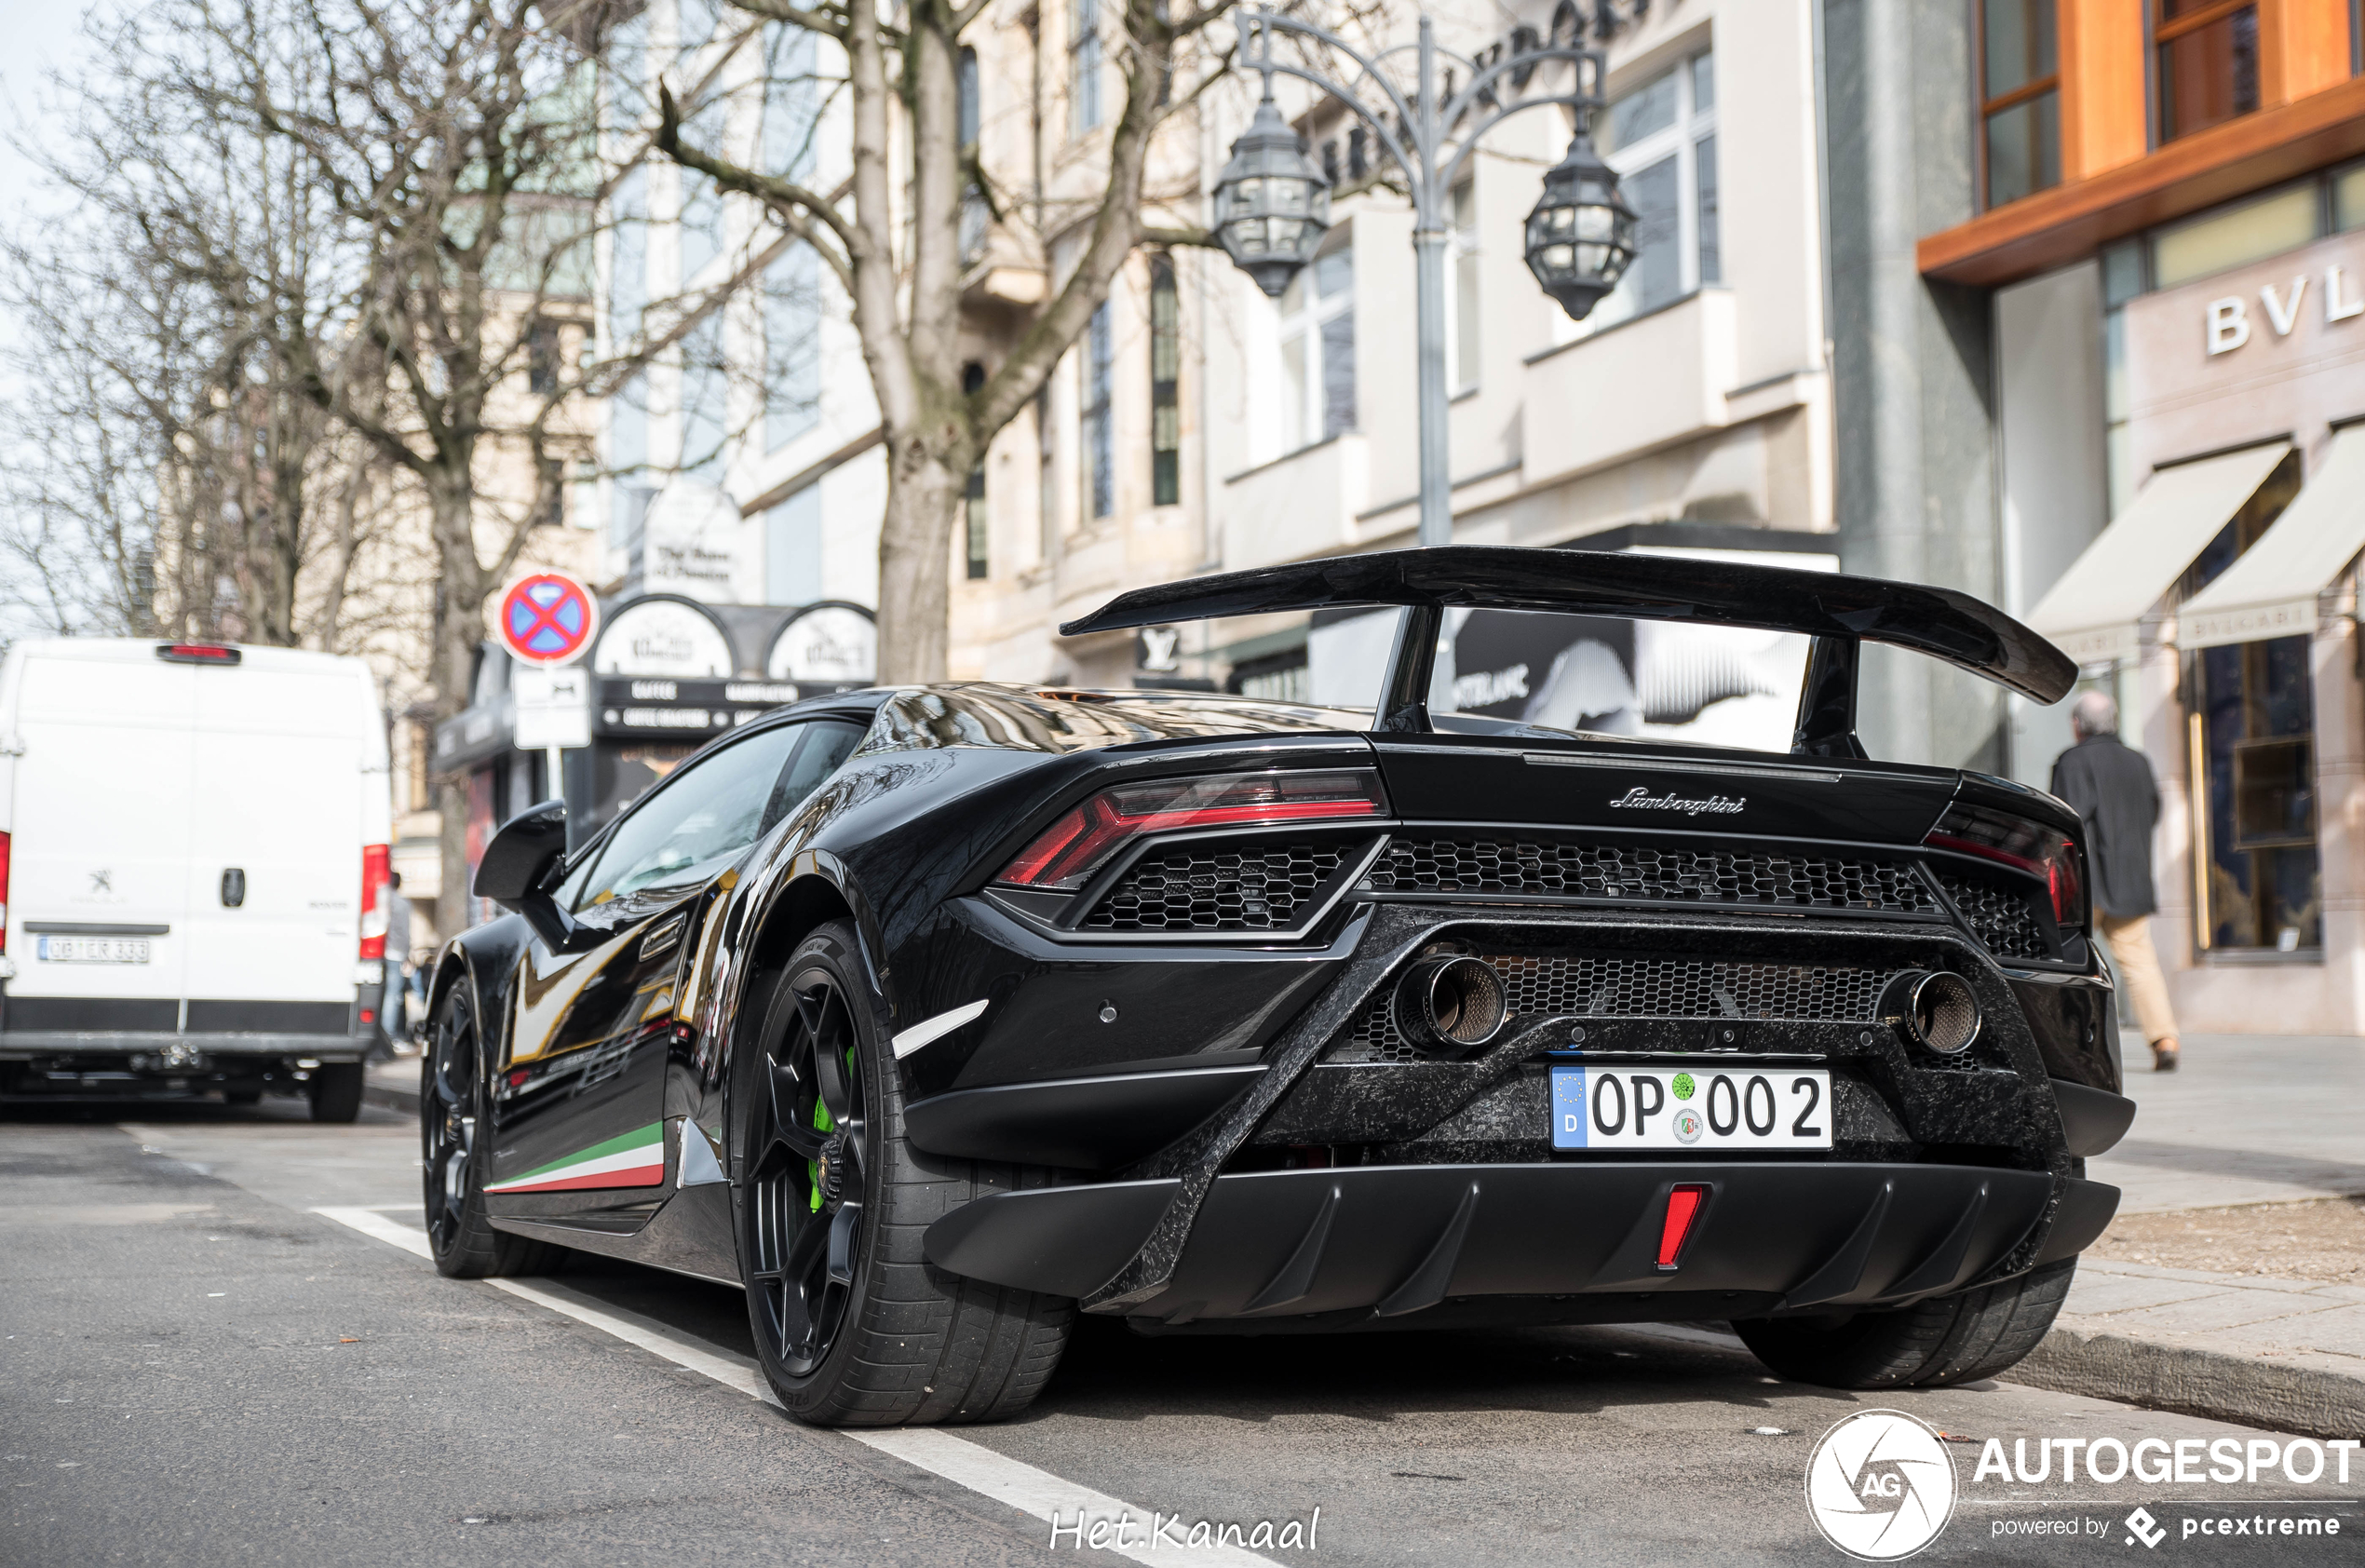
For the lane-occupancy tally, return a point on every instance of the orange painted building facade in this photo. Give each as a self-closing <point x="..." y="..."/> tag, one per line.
<point x="2170" y="237"/>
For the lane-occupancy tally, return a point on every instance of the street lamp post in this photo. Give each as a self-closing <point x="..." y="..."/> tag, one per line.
<point x="1273" y="204"/>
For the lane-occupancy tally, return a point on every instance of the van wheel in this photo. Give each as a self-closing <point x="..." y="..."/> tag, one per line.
<point x="336" y="1091"/>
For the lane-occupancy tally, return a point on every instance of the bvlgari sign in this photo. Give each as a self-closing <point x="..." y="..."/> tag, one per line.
<point x="2274" y="349"/>
<point x="2229" y="316"/>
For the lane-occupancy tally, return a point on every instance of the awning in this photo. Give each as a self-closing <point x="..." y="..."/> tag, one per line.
<point x="2092" y="612"/>
<point x="2271" y="590"/>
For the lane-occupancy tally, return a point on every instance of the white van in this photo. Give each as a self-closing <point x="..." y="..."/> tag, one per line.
<point x="193" y="866"/>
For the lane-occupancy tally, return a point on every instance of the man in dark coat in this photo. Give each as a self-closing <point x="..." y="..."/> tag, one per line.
<point x="2111" y="787"/>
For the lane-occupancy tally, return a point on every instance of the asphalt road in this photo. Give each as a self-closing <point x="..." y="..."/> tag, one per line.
<point x="198" y="1368"/>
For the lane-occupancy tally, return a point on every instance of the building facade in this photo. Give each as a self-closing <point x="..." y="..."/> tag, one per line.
<point x="1690" y="411"/>
<point x="2156" y="257"/>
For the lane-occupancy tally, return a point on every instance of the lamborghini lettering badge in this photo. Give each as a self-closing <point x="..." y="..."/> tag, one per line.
<point x="1641" y="799"/>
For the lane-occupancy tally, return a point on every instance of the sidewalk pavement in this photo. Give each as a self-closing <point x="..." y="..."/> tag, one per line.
<point x="2250" y="1119"/>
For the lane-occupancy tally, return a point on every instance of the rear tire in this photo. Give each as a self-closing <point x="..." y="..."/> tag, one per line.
<point x="336" y="1091"/>
<point x="889" y="1340"/>
<point x="460" y="1236"/>
<point x="1930" y="1344"/>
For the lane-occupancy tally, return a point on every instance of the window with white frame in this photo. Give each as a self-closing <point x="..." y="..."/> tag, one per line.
<point x="1661" y="138"/>
<point x="1318" y="350"/>
<point x="1462" y="327"/>
<point x="1083" y="66"/>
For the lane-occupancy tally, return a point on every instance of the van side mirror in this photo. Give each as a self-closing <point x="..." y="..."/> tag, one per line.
<point x="518" y="870"/>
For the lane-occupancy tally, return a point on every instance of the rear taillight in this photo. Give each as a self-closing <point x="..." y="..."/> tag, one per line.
<point x="1068" y="852"/>
<point x="4" y="892"/>
<point x="374" y="901"/>
<point x="2031" y="848"/>
<point x="197" y="653"/>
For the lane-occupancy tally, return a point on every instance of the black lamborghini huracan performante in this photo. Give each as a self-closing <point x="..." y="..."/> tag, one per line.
<point x="933" y="1015"/>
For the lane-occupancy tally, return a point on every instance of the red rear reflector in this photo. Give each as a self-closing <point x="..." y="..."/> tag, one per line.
<point x="1066" y="854"/>
<point x="4" y="892"/>
<point x="1683" y="1207"/>
<point x="198" y="652"/>
<point x="369" y="1016"/>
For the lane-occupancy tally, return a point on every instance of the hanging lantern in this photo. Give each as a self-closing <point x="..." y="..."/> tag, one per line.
<point x="1580" y="237"/>
<point x="1272" y="203"/>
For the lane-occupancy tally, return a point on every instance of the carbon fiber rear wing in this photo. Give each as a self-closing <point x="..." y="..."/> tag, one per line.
<point x="1838" y="611"/>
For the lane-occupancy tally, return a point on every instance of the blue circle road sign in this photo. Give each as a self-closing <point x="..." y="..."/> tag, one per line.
<point x="546" y="618"/>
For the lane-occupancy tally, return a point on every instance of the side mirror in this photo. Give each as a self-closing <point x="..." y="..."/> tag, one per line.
<point x="515" y="870"/>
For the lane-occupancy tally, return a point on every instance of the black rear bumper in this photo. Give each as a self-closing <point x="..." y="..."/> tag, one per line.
<point x="1386" y="1242"/>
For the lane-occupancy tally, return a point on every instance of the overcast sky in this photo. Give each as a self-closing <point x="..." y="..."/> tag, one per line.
<point x="35" y="35"/>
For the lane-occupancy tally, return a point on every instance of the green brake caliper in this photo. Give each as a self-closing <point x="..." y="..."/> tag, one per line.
<point x="823" y="1123"/>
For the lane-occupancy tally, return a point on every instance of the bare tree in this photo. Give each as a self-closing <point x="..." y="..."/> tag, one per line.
<point x="892" y="236"/>
<point x="179" y="479"/>
<point x="455" y="144"/>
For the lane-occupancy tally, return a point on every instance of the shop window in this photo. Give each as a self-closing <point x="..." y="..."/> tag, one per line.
<point x="792" y="100"/>
<point x="1083" y="66"/>
<point x="1282" y="676"/>
<point x="705" y="395"/>
<point x="2250" y="713"/>
<point x="2019" y="98"/>
<point x="1461" y="331"/>
<point x="1318" y="350"/>
<point x="976" y="523"/>
<point x="792" y="296"/>
<point x="2205" y="70"/>
<point x="2233" y="236"/>
<point x="1099" y="437"/>
<point x="1166" y="372"/>
<point x="1662" y="141"/>
<point x="2348" y="191"/>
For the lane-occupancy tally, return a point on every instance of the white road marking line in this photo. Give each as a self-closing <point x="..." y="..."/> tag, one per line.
<point x="932" y="1029"/>
<point x="1071" y="1508"/>
<point x="369" y="1222"/>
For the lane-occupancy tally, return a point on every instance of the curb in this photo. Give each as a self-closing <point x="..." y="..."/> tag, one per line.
<point x="401" y="1095"/>
<point x="2296" y="1392"/>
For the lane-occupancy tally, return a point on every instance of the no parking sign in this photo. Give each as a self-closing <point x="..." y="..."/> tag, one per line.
<point x="547" y="619"/>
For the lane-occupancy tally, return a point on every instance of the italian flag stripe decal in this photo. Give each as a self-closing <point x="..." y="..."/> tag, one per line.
<point x="636" y="1159"/>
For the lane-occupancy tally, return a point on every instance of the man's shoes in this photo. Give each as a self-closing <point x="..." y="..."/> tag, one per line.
<point x="2164" y="1056"/>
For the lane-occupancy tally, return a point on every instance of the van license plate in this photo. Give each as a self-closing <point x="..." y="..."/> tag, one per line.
<point x="93" y="950"/>
<point x="1691" y="1108"/>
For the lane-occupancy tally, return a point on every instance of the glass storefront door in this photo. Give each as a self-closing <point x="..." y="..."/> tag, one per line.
<point x="2251" y="717"/>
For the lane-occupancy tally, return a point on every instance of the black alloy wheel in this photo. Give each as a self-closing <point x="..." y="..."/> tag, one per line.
<point x="853" y="1326"/>
<point x="451" y="1095"/>
<point x="807" y="1175"/>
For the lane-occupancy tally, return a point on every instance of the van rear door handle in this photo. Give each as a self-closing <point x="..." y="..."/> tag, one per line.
<point x="233" y="887"/>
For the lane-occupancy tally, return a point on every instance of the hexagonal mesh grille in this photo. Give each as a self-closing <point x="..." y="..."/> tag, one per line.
<point x="1258" y="888"/>
<point x="1658" y="875"/>
<point x="1601" y="986"/>
<point x="1999" y="918"/>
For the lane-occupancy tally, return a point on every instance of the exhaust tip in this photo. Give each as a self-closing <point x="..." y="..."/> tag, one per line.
<point x="1938" y="1010"/>
<point x="1448" y="1007"/>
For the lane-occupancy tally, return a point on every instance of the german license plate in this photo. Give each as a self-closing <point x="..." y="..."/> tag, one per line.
<point x="1691" y="1108"/>
<point x="93" y="950"/>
